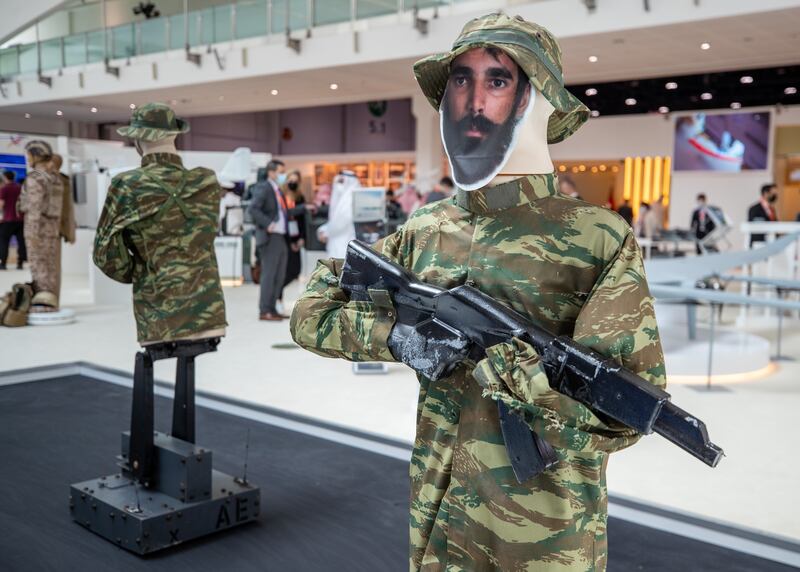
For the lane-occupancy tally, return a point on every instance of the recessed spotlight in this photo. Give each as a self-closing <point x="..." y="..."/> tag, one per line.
<point x="93" y="110"/>
<point x="591" y="91"/>
<point x="602" y="168"/>
<point x="705" y="46"/>
<point x="59" y="113"/>
<point x="663" y="109"/>
<point x="705" y="96"/>
<point x="334" y="86"/>
<point x="221" y="98"/>
<point x="274" y="92"/>
<point x="746" y="79"/>
<point x="562" y="168"/>
<point x="790" y="91"/>
<point x="630" y="101"/>
<point x="593" y="59"/>
<point x="595" y="113"/>
<point x="594" y="169"/>
<point x="671" y="85"/>
<point x="582" y="168"/>
<point x="27" y="116"/>
<point x="132" y="106"/>
<point x="736" y="105"/>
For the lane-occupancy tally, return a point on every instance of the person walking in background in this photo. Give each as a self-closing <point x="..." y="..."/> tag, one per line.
<point x="626" y="212"/>
<point x="268" y="211"/>
<point x="443" y="190"/>
<point x="12" y="221"/>
<point x="764" y="209"/>
<point x="702" y="223"/>
<point x="296" y="236"/>
<point x="409" y="199"/>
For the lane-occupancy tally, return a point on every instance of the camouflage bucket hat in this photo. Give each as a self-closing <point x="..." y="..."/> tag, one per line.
<point x="534" y="49"/>
<point x="153" y="121"/>
<point x="40" y="149"/>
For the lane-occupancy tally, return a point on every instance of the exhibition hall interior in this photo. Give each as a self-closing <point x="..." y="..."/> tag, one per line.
<point x="400" y="284"/>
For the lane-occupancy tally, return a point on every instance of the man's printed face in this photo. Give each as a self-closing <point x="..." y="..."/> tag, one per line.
<point x="486" y="96"/>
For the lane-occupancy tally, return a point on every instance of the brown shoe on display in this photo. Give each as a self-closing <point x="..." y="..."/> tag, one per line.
<point x="270" y="317"/>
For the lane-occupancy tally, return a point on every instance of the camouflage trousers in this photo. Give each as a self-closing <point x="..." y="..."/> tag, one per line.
<point x="44" y="253"/>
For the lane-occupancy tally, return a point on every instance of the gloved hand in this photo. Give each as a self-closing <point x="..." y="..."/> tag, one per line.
<point x="429" y="348"/>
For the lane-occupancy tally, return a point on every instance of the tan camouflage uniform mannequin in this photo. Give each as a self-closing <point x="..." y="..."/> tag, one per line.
<point x="41" y="201"/>
<point x="571" y="267"/>
<point x="157" y="232"/>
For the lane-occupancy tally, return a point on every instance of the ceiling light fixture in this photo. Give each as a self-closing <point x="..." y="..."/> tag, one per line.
<point x="27" y="116"/>
<point x="593" y="59"/>
<point x="663" y="109"/>
<point x="59" y="113"/>
<point x="630" y="101"/>
<point x="671" y="85"/>
<point x="334" y="86"/>
<point x="736" y="105"/>
<point x="705" y="46"/>
<point x="705" y="96"/>
<point x="746" y="79"/>
<point x="93" y="110"/>
<point x="591" y="91"/>
<point x="132" y="106"/>
<point x="790" y="91"/>
<point x="274" y="92"/>
<point x="595" y="113"/>
<point x="221" y="98"/>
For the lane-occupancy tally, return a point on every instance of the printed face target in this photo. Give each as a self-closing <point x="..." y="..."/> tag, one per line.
<point x="485" y="103"/>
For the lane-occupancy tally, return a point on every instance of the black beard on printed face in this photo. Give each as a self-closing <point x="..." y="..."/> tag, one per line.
<point x="475" y="158"/>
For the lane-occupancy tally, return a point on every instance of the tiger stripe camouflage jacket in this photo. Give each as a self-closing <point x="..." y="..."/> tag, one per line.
<point x="573" y="268"/>
<point x="157" y="231"/>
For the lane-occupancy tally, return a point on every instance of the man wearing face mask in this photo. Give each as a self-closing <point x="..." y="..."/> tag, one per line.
<point x="764" y="209"/>
<point x="157" y="232"/>
<point x="270" y="213"/>
<point x="566" y="265"/>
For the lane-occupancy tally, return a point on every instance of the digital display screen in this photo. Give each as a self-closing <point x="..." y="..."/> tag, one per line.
<point x="722" y="141"/>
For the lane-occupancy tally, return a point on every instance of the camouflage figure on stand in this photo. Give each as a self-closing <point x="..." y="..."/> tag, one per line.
<point x="571" y="267"/>
<point x="41" y="201"/>
<point x="157" y="232"/>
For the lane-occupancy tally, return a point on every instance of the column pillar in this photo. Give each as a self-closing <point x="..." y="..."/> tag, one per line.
<point x="428" y="144"/>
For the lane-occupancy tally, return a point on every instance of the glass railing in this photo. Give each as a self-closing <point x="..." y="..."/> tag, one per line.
<point x="221" y="23"/>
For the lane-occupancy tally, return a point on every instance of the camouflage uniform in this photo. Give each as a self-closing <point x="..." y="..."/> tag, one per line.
<point x="157" y="232"/>
<point x="573" y="268"/>
<point x="41" y="201"/>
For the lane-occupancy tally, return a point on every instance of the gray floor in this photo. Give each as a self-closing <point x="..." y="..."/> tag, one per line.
<point x="325" y="506"/>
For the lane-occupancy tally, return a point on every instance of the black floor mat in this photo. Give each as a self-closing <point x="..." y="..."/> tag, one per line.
<point x="325" y="506"/>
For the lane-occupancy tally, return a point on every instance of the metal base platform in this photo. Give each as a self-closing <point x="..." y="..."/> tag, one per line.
<point x="143" y="521"/>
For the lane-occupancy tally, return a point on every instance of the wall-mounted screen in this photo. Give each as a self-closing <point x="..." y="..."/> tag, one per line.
<point x="721" y="141"/>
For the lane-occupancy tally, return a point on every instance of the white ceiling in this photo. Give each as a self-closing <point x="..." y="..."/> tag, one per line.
<point x="757" y="40"/>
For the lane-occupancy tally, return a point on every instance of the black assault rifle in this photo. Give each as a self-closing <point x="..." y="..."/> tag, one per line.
<point x="440" y="328"/>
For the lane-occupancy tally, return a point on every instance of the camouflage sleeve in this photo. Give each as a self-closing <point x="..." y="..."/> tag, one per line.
<point x="618" y="321"/>
<point x="326" y="322"/>
<point x="34" y="194"/>
<point x="111" y="254"/>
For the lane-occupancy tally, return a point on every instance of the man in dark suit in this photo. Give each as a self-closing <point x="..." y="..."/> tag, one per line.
<point x="764" y="209"/>
<point x="268" y="212"/>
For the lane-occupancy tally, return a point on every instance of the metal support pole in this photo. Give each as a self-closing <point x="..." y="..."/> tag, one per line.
<point x="778" y="356"/>
<point x="286" y="18"/>
<point x="86" y="47"/>
<point x="183" y="424"/>
<point x="140" y="451"/>
<point x="186" y="24"/>
<point x="63" y="53"/>
<point x="105" y="31"/>
<point x="269" y="17"/>
<point x="711" y="344"/>
<point x="38" y="51"/>
<point x="233" y="22"/>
